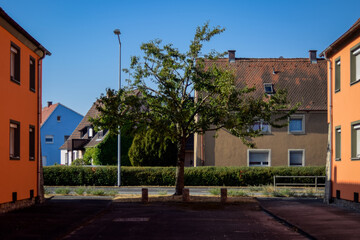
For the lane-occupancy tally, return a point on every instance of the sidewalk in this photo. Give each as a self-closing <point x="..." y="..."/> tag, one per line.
<point x="316" y="219"/>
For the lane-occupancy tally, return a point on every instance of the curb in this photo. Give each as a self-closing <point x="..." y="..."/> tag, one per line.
<point x="286" y="223"/>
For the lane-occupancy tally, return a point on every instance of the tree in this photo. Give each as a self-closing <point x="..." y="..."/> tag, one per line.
<point x="171" y="108"/>
<point x="105" y="153"/>
<point x="152" y="149"/>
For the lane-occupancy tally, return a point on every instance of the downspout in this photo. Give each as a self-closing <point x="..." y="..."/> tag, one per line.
<point x="40" y="192"/>
<point x="328" y="183"/>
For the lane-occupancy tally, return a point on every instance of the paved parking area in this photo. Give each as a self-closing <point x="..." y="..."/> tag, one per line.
<point x="74" y="217"/>
<point x="174" y="220"/>
<point x="51" y="220"/>
<point x="312" y="216"/>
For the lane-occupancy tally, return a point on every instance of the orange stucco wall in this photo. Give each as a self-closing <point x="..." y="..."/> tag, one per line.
<point x="345" y="173"/>
<point x="17" y="103"/>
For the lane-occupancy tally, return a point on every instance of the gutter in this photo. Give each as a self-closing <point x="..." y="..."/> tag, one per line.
<point x="328" y="185"/>
<point x="39" y="94"/>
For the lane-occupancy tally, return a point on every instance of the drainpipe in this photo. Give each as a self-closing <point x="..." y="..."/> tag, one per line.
<point x="328" y="184"/>
<point x="40" y="192"/>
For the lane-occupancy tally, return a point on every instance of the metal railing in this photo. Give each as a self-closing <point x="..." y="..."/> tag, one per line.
<point x="315" y="183"/>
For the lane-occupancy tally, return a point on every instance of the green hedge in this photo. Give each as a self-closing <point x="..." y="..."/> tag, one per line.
<point x="165" y="176"/>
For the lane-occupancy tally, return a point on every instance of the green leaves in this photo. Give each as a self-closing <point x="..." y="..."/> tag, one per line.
<point x="179" y="94"/>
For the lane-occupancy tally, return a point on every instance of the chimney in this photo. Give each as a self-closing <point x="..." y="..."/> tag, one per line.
<point x="312" y="56"/>
<point x="49" y="103"/>
<point x="231" y="56"/>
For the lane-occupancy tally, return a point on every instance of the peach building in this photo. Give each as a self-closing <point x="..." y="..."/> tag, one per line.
<point x="343" y="58"/>
<point x="20" y="84"/>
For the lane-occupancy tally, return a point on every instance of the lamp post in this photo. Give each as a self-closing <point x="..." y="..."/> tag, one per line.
<point x="117" y="32"/>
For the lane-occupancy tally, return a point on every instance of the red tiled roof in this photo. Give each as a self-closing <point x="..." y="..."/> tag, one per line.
<point x="84" y="123"/>
<point x="46" y="112"/>
<point x="304" y="81"/>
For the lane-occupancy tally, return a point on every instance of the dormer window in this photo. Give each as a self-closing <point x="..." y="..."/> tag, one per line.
<point x="91" y="132"/>
<point x="268" y="88"/>
<point x="84" y="131"/>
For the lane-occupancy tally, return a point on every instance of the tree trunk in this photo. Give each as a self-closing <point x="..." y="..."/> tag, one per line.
<point x="179" y="184"/>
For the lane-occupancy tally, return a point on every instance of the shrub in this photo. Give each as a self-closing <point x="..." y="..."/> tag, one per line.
<point x="80" y="191"/>
<point x="79" y="162"/>
<point x="64" y="191"/>
<point x="151" y="148"/>
<point x="165" y="176"/>
<point x="105" y="153"/>
<point x="238" y="193"/>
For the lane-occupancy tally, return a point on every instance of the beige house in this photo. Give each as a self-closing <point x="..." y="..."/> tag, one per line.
<point x="302" y="143"/>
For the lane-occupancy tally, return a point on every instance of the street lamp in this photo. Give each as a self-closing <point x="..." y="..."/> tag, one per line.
<point x="117" y="32"/>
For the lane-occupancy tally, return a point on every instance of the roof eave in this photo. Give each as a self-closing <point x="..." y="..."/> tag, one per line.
<point x="343" y="38"/>
<point x="23" y="31"/>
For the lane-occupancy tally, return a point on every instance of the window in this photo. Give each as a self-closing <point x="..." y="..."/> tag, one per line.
<point x="296" y="157"/>
<point x="355" y="64"/>
<point x="32" y="74"/>
<point x="66" y="137"/>
<point x="355" y="140"/>
<point x="14" y="140"/>
<point x="337" y="74"/>
<point x="44" y="160"/>
<point x="14" y="63"/>
<point x="58" y="118"/>
<point x="297" y="124"/>
<point x="91" y="132"/>
<point x="49" y="139"/>
<point x="338" y="143"/>
<point x="259" y="157"/>
<point x="268" y="88"/>
<point x="262" y="126"/>
<point x="32" y="143"/>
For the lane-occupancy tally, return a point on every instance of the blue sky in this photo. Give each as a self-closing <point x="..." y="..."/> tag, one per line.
<point x="84" y="60"/>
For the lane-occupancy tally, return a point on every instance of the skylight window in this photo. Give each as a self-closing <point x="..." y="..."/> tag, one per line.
<point x="268" y="87"/>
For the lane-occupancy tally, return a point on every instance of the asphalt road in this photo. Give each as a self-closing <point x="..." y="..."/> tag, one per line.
<point x="184" y="221"/>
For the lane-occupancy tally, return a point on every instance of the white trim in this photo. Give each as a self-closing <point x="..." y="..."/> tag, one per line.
<point x="259" y="150"/>
<point x="49" y="136"/>
<point x="356" y="52"/>
<point x="356" y="126"/>
<point x="303" y="157"/>
<point x="14" y="50"/>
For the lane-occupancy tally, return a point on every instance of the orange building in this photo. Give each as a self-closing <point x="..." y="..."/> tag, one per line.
<point x="343" y="57"/>
<point x="20" y="108"/>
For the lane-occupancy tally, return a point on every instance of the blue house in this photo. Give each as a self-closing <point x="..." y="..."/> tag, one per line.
<point x="58" y="122"/>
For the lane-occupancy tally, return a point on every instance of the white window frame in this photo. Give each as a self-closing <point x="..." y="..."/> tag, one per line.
<point x="297" y="116"/>
<point x="303" y="157"/>
<point x="49" y="136"/>
<point x="258" y="150"/>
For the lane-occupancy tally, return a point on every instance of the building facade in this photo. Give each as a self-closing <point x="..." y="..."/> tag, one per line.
<point x="58" y="123"/>
<point x="302" y="143"/>
<point x="20" y="63"/>
<point x="344" y="117"/>
<point x="74" y="147"/>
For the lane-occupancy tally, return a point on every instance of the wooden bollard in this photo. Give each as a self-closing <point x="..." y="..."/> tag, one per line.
<point x="144" y="195"/>
<point x="223" y="195"/>
<point x="186" y="195"/>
